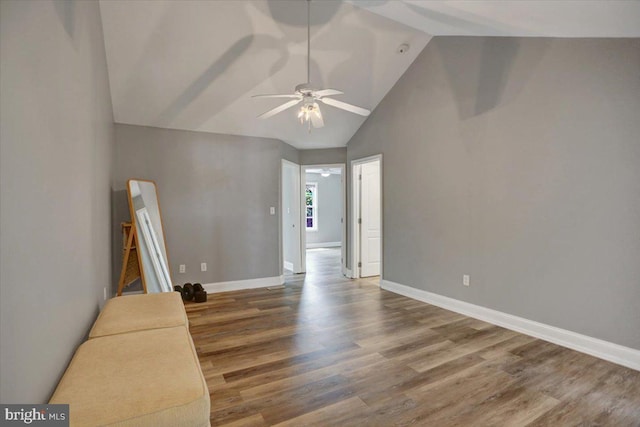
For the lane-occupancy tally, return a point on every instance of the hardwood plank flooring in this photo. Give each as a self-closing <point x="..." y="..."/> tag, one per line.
<point x="329" y="351"/>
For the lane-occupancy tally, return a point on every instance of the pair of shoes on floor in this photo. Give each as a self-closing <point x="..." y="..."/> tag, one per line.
<point x="191" y="292"/>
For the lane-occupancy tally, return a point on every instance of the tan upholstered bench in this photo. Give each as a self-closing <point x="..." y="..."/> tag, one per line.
<point x="144" y="378"/>
<point x="140" y="312"/>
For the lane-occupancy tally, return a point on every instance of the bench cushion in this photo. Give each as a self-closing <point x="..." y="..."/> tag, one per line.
<point x="140" y="312"/>
<point x="145" y="378"/>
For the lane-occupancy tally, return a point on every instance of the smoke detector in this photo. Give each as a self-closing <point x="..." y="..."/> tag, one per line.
<point x="403" y="48"/>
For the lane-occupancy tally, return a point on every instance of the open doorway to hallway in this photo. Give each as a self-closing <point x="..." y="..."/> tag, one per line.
<point x="323" y="217"/>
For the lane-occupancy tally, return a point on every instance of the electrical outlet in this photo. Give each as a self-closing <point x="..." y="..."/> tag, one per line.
<point x="183" y="268"/>
<point x="466" y="280"/>
<point x="203" y="266"/>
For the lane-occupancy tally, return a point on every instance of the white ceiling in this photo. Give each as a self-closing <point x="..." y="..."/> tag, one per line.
<point x="331" y="171"/>
<point x="523" y="18"/>
<point x="194" y="65"/>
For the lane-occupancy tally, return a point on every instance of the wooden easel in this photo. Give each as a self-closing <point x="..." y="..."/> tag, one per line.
<point x="130" y="264"/>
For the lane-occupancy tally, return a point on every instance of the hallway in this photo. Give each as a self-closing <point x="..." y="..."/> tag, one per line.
<point x="324" y="261"/>
<point x="324" y="264"/>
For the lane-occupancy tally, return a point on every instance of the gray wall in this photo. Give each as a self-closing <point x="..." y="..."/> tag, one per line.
<point x="323" y="156"/>
<point x="329" y="209"/>
<point x="214" y="193"/>
<point x="517" y="161"/>
<point x="56" y="144"/>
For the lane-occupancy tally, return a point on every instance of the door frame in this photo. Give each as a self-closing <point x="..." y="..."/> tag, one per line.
<point x="355" y="214"/>
<point x="297" y="265"/>
<point x="303" y="231"/>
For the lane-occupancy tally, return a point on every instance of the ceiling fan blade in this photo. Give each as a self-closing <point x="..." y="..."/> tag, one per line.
<point x="345" y="106"/>
<point x="279" y="109"/>
<point x="296" y="96"/>
<point x="316" y="117"/>
<point x="327" y="92"/>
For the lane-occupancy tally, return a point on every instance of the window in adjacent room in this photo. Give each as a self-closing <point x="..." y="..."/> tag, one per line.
<point x="311" y="202"/>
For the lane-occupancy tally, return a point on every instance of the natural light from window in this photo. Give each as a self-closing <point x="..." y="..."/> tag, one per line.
<point x="311" y="202"/>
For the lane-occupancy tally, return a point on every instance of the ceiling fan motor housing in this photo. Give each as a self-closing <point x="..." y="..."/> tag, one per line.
<point x="304" y="89"/>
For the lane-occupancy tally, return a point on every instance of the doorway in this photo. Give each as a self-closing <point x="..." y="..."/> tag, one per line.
<point x="367" y="217"/>
<point x="290" y="211"/>
<point x="323" y="217"/>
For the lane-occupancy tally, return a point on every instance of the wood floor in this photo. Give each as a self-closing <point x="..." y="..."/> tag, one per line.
<point x="329" y="351"/>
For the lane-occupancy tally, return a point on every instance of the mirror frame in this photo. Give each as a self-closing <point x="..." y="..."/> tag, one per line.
<point x="134" y="223"/>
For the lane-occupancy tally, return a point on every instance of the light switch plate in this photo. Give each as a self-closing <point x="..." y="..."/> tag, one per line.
<point x="272" y="210"/>
<point x="203" y="266"/>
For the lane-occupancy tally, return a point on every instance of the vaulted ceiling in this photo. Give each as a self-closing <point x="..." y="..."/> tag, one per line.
<point x="193" y="65"/>
<point x="521" y="18"/>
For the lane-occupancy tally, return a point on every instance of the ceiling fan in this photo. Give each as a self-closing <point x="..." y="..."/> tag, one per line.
<point x="310" y="110"/>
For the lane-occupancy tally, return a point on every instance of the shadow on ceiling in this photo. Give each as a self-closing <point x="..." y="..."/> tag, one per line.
<point x="66" y="11"/>
<point x="246" y="45"/>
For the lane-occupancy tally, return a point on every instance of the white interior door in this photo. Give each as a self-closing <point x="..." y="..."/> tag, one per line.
<point x="291" y="239"/>
<point x="370" y="229"/>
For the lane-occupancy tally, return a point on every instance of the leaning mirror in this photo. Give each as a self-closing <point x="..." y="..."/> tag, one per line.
<point x="147" y="222"/>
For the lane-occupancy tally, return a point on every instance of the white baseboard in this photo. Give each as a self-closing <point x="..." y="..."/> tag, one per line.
<point x="324" y="245"/>
<point x="237" y="285"/>
<point x="288" y="265"/>
<point x="615" y="353"/>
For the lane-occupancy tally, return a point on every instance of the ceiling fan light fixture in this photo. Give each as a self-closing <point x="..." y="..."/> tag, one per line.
<point x="307" y="110"/>
<point x="310" y="114"/>
<point x="310" y="110"/>
<point x="304" y="114"/>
